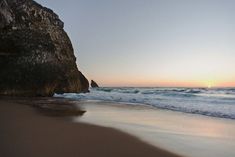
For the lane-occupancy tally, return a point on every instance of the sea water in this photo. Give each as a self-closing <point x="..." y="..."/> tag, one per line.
<point x="214" y="102"/>
<point x="193" y="122"/>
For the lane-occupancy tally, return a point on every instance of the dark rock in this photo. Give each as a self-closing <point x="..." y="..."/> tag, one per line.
<point x="36" y="55"/>
<point x="94" y="84"/>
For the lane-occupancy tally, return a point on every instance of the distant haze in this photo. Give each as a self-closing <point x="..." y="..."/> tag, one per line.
<point x="152" y="42"/>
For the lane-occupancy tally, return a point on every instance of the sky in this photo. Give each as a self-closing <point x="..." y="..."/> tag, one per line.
<point x="180" y="43"/>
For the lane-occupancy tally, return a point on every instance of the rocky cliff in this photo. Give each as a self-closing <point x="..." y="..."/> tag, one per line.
<point x="94" y="84"/>
<point x="36" y="55"/>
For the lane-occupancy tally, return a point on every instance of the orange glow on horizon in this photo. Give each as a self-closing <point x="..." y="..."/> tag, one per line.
<point x="168" y="83"/>
<point x="157" y="81"/>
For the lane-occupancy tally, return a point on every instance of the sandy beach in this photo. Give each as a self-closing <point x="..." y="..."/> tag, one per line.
<point x="25" y="132"/>
<point x="129" y="78"/>
<point x="189" y="135"/>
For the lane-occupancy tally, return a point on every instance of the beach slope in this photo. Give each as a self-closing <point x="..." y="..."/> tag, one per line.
<point x="24" y="132"/>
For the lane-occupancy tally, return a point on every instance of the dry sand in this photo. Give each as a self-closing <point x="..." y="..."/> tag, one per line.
<point x="24" y="132"/>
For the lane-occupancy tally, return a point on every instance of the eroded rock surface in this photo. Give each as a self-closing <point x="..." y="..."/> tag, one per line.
<point x="94" y="84"/>
<point x="36" y="55"/>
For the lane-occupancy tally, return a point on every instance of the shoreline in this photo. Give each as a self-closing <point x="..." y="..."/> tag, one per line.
<point x="185" y="134"/>
<point x="25" y="132"/>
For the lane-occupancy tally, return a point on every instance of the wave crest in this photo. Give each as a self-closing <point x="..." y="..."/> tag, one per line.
<point x="209" y="102"/>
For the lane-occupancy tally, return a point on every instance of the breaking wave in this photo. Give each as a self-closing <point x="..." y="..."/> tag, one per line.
<point x="210" y="102"/>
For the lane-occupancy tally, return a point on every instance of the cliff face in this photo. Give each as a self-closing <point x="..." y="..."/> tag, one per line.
<point x="36" y="55"/>
<point x="94" y="84"/>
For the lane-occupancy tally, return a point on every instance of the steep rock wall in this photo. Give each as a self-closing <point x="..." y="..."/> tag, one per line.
<point x="36" y="54"/>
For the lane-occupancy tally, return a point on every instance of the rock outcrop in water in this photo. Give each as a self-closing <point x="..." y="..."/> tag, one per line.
<point x="36" y="55"/>
<point x="94" y="84"/>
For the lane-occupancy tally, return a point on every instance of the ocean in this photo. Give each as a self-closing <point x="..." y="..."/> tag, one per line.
<point x="192" y="122"/>
<point x="214" y="102"/>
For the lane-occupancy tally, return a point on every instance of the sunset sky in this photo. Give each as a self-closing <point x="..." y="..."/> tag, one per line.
<point x="152" y="42"/>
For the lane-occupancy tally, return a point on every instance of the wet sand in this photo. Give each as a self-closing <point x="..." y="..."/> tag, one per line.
<point x="25" y="132"/>
<point x="185" y="134"/>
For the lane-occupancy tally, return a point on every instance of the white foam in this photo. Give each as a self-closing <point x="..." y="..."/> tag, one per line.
<point x="214" y="102"/>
